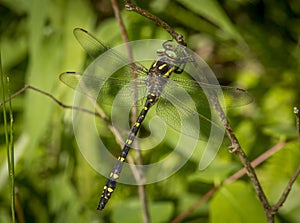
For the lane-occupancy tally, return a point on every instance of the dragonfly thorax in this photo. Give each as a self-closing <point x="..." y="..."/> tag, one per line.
<point x="158" y="75"/>
<point x="161" y="68"/>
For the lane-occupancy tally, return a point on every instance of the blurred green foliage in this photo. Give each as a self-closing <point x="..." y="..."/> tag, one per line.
<point x="252" y="44"/>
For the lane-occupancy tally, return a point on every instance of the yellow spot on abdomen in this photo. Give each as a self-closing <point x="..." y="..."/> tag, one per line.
<point x="110" y="190"/>
<point x="121" y="159"/>
<point x="128" y="141"/>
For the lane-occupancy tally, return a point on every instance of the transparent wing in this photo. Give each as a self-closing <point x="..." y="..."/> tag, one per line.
<point x="184" y="114"/>
<point x="228" y="96"/>
<point x="188" y="102"/>
<point x="89" y="43"/>
<point x="101" y="81"/>
<point x="232" y="96"/>
<point x="107" y="90"/>
<point x="175" y="104"/>
<point x="95" y="48"/>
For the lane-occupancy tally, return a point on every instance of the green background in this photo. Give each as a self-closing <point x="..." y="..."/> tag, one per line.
<point x="252" y="44"/>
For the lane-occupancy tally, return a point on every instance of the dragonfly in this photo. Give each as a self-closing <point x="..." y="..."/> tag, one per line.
<point x="153" y="86"/>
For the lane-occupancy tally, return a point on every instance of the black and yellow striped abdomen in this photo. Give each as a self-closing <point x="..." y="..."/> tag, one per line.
<point x="115" y="174"/>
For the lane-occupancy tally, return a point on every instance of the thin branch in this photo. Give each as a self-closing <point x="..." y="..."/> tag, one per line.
<point x="270" y="152"/>
<point x="27" y="86"/>
<point x="124" y="34"/>
<point x="204" y="198"/>
<point x="236" y="148"/>
<point x="130" y="56"/>
<point x="100" y="114"/>
<point x="286" y="191"/>
<point x="295" y="175"/>
<point x="139" y="178"/>
<point x="297" y="113"/>
<point x="131" y="6"/>
<point x="237" y="175"/>
<point x="19" y="209"/>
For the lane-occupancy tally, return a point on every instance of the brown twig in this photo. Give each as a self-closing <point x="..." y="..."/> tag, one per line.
<point x="131" y="6"/>
<point x="230" y="179"/>
<point x="237" y="149"/>
<point x="27" y="86"/>
<point x="286" y="191"/>
<point x="204" y="198"/>
<point x="297" y="113"/>
<point x="100" y="114"/>
<point x="139" y="177"/>
<point x="19" y="209"/>
<point x="295" y="175"/>
<point x="256" y="162"/>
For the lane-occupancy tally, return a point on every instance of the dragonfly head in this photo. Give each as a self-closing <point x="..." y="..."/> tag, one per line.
<point x="175" y="55"/>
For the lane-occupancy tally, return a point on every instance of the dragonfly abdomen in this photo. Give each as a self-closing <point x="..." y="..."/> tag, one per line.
<point x="115" y="174"/>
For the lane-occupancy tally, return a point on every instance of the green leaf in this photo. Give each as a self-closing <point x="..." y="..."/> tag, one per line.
<point x="211" y="10"/>
<point x="279" y="169"/>
<point x="14" y="50"/>
<point x="47" y="54"/>
<point x="62" y="195"/>
<point x="236" y="203"/>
